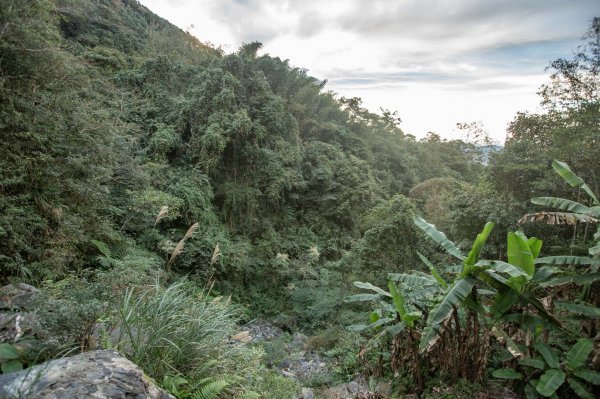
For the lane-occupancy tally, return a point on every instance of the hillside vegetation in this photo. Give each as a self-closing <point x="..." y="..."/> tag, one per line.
<point x="141" y="168"/>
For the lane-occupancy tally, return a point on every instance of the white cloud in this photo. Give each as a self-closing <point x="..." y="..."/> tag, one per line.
<point x="436" y="62"/>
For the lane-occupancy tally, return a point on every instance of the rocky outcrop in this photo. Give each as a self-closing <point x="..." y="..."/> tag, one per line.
<point x="16" y="296"/>
<point x="15" y="318"/>
<point x="98" y="374"/>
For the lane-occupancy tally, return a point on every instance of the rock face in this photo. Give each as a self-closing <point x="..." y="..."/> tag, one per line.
<point x="98" y="374"/>
<point x="16" y="296"/>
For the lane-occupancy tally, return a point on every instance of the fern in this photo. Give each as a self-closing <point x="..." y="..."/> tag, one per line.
<point x="211" y="389"/>
<point x="103" y="248"/>
<point x="107" y="259"/>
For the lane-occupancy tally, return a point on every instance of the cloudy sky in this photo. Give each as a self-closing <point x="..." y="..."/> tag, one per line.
<point x="435" y="62"/>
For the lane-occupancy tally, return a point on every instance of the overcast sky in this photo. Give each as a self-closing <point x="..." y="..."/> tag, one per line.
<point x="435" y="62"/>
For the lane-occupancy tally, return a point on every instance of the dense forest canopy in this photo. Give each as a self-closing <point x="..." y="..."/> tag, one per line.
<point x="130" y="148"/>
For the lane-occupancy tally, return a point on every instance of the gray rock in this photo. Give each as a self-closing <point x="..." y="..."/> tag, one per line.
<point x="14" y="325"/>
<point x="307" y="393"/>
<point x="98" y="374"/>
<point x="299" y="341"/>
<point x="17" y="296"/>
<point x="354" y="389"/>
<point x="260" y="331"/>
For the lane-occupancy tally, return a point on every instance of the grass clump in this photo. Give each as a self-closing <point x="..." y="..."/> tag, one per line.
<point x="180" y="330"/>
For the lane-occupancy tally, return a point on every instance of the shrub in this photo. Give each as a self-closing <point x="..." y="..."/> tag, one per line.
<point x="182" y="330"/>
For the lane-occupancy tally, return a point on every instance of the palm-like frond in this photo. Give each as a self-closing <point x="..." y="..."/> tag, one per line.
<point x="439" y="237"/>
<point x="565" y="205"/>
<point x="575" y="181"/>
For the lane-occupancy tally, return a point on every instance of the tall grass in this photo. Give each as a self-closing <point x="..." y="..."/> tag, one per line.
<point x="178" y="330"/>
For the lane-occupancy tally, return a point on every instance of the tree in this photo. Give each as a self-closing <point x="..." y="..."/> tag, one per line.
<point x="575" y="83"/>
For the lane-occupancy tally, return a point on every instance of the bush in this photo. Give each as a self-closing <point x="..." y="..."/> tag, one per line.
<point x="181" y="329"/>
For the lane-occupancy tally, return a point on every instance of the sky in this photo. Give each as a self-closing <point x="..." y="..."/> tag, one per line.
<point x="436" y="63"/>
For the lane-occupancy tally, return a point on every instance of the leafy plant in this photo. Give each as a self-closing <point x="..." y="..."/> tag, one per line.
<point x="9" y="358"/>
<point x="546" y="373"/>
<point x="181" y="329"/>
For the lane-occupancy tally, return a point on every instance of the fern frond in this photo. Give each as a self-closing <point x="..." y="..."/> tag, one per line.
<point x="212" y="389"/>
<point x="103" y="248"/>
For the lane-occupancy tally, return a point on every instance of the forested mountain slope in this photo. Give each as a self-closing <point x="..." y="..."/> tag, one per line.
<point x="110" y="113"/>
<point x="133" y="153"/>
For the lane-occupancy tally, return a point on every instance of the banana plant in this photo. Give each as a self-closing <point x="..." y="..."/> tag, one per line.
<point x="544" y="373"/>
<point x="572" y="210"/>
<point x="403" y="311"/>
<point x="508" y="281"/>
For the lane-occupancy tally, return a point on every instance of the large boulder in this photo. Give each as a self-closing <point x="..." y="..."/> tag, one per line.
<point x="98" y="374"/>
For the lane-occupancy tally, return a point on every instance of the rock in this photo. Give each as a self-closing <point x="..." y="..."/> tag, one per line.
<point x="354" y="389"/>
<point x="384" y="389"/>
<point x="17" y="296"/>
<point x="262" y="331"/>
<point x="307" y="393"/>
<point x="14" y="325"/>
<point x="299" y="341"/>
<point x="98" y="374"/>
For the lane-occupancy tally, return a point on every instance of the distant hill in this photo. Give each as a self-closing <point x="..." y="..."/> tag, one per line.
<point x="487" y="150"/>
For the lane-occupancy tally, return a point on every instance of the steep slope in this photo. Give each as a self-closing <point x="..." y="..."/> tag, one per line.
<point x="109" y="113"/>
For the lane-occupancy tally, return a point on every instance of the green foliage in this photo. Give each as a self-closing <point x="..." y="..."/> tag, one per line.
<point x="439" y="237"/>
<point x="10" y="358"/>
<point x="174" y="328"/>
<point x="455" y="294"/>
<point x="293" y="193"/>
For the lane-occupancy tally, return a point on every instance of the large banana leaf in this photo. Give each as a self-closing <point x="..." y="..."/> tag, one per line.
<point x="579" y="308"/>
<point x="455" y="294"/>
<point x="535" y="245"/>
<point x="563" y="205"/>
<point x="362" y="297"/>
<point x="575" y="181"/>
<point x="433" y="270"/>
<point x="567" y="260"/>
<point x="503" y="267"/>
<point x="579" y="388"/>
<point x="369" y="286"/>
<point x="576" y="279"/>
<point x="407" y="317"/>
<point x="578" y="354"/>
<point x="593" y="377"/>
<point x="543" y="273"/>
<point x="475" y="251"/>
<point x="507" y="374"/>
<point x="535" y="363"/>
<point x="548" y="354"/>
<point x="424" y="295"/>
<point x="550" y="381"/>
<point x="519" y="253"/>
<point x="439" y="237"/>
<point x="398" y="300"/>
<point x="412" y="280"/>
